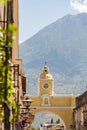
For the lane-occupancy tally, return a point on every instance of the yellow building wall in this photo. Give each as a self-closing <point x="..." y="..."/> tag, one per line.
<point x="42" y="90"/>
<point x="59" y="105"/>
<point x="36" y="101"/>
<point x="62" y="101"/>
<point x="15" y="45"/>
<point x="54" y="101"/>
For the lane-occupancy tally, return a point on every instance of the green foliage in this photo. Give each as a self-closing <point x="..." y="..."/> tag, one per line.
<point x="4" y="1"/>
<point x="11" y="93"/>
<point x="1" y="113"/>
<point x="58" y="121"/>
<point x="11" y="30"/>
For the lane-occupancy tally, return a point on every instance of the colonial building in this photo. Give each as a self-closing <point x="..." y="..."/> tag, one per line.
<point x="61" y="105"/>
<point x="9" y="16"/>
<point x="80" y="112"/>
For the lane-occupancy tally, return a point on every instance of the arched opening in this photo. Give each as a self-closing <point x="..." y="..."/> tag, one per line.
<point x="45" y="100"/>
<point x="47" y="118"/>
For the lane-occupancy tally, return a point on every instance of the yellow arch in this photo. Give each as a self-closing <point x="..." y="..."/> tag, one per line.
<point x="49" y="112"/>
<point x="65" y="114"/>
<point x="61" y="105"/>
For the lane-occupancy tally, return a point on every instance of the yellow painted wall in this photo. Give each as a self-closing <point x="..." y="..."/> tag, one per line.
<point x="62" y="101"/>
<point x="42" y="89"/>
<point x="55" y="100"/>
<point x="36" y="101"/>
<point x="59" y="105"/>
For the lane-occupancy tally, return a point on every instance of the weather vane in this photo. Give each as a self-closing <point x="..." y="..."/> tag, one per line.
<point x="45" y="63"/>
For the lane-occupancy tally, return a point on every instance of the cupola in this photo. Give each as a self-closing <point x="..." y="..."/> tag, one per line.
<point x="45" y="82"/>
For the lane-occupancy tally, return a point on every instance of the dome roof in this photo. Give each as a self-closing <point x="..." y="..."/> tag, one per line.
<point x="45" y="74"/>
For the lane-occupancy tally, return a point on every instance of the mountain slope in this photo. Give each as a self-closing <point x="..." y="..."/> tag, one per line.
<point x="63" y="44"/>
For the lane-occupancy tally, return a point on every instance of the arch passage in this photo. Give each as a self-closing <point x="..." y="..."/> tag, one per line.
<point x="46" y="117"/>
<point x="61" y="105"/>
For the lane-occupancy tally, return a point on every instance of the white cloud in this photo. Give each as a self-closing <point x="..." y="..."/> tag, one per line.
<point x="80" y="5"/>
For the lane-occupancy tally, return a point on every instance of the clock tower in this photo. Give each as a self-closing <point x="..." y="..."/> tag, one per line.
<point x="45" y="82"/>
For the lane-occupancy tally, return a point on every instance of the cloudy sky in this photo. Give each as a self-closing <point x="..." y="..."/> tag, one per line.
<point x="36" y="14"/>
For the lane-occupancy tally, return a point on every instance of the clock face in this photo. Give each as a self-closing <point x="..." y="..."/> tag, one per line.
<point x="45" y="85"/>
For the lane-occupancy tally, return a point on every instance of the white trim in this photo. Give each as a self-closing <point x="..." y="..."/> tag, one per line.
<point x="45" y="96"/>
<point x="59" y="107"/>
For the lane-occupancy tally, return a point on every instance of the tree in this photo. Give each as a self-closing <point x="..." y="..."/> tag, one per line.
<point x="51" y="120"/>
<point x="58" y="121"/>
